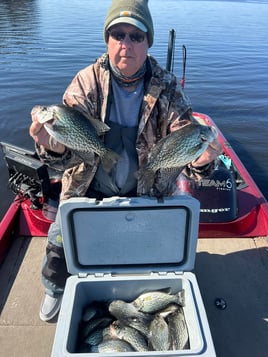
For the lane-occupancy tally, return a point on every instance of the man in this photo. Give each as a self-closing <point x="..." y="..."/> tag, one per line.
<point x="140" y="102"/>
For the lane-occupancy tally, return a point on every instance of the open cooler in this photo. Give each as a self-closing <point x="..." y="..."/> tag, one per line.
<point x="119" y="248"/>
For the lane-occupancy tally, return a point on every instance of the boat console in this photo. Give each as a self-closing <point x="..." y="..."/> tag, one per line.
<point x="28" y="176"/>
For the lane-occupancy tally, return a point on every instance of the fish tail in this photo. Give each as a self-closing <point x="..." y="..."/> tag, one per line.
<point x="146" y="177"/>
<point x="109" y="160"/>
<point x="165" y="183"/>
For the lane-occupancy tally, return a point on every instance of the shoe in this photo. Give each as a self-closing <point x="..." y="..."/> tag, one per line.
<point x="50" y="307"/>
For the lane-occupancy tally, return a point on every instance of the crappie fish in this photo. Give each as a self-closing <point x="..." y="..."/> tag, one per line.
<point x="79" y="133"/>
<point x="122" y="326"/>
<point x="175" y="151"/>
<point x="129" y="315"/>
<point x="142" y="326"/>
<point x="125" y="311"/>
<point x="178" y="332"/>
<point x="95" y="337"/>
<point x="93" y="310"/>
<point x="173" y="307"/>
<point x="155" y="301"/>
<point x="112" y="346"/>
<point x="130" y="335"/>
<point x="92" y="325"/>
<point x="159" y="334"/>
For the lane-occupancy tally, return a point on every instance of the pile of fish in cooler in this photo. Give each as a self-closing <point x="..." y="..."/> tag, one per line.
<point x="154" y="321"/>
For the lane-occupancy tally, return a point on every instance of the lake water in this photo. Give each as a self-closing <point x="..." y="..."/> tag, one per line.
<point x="43" y="43"/>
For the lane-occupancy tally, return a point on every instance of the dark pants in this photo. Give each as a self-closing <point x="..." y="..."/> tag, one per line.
<point x="54" y="271"/>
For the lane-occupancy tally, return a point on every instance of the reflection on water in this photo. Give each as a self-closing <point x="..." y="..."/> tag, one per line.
<point x="43" y="43"/>
<point x="17" y="10"/>
<point x="18" y="24"/>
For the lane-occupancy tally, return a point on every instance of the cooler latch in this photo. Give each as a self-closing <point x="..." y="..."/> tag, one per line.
<point x="165" y="273"/>
<point x="82" y="275"/>
<point x="96" y="275"/>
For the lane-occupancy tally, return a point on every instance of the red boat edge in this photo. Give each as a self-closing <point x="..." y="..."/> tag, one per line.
<point x="8" y="226"/>
<point x="251" y="220"/>
<point x="252" y="217"/>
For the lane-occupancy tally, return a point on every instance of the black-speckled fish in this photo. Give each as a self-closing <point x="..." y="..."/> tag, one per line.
<point x="79" y="133"/>
<point x="174" y="152"/>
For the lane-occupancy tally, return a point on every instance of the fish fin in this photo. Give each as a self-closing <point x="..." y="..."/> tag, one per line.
<point x="100" y="127"/>
<point x="146" y="178"/>
<point x="165" y="183"/>
<point x="109" y="160"/>
<point x="87" y="157"/>
<point x="166" y="290"/>
<point x="52" y="142"/>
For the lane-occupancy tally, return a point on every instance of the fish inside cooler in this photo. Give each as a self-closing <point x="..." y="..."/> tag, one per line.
<point x="120" y="248"/>
<point x="127" y="289"/>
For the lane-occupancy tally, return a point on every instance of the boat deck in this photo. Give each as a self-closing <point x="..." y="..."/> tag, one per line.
<point x="233" y="269"/>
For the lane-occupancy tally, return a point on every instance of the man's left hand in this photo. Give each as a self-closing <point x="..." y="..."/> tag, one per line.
<point x="213" y="151"/>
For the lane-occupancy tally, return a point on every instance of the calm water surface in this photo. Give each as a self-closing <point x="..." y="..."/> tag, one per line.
<point x="43" y="43"/>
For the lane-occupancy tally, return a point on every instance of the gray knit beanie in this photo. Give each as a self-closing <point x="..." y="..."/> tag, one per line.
<point x="133" y="12"/>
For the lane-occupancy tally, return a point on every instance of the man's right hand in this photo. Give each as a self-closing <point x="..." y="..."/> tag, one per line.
<point x="38" y="132"/>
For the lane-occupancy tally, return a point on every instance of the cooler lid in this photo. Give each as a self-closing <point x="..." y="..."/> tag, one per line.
<point x="130" y="235"/>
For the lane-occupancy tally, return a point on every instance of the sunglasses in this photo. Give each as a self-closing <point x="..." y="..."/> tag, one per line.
<point x="135" y="37"/>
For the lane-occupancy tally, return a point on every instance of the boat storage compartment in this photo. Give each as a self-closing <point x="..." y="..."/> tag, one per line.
<point x="119" y="248"/>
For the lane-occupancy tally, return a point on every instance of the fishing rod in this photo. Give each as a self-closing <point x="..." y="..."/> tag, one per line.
<point x="170" y="56"/>
<point x="171" y="51"/>
<point x="184" y="56"/>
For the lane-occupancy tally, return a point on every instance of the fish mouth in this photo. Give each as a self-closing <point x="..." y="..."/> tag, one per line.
<point x="203" y="139"/>
<point x="49" y="124"/>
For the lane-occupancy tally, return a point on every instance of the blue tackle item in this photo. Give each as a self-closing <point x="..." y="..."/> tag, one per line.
<point x="226" y="160"/>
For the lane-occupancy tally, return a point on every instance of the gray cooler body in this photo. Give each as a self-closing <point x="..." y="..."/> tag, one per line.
<point x="119" y="248"/>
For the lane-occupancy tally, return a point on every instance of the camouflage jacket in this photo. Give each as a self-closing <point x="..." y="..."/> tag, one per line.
<point x="164" y="104"/>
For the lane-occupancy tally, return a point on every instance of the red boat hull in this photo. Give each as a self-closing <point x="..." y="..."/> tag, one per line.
<point x="8" y="226"/>
<point x="252" y="218"/>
